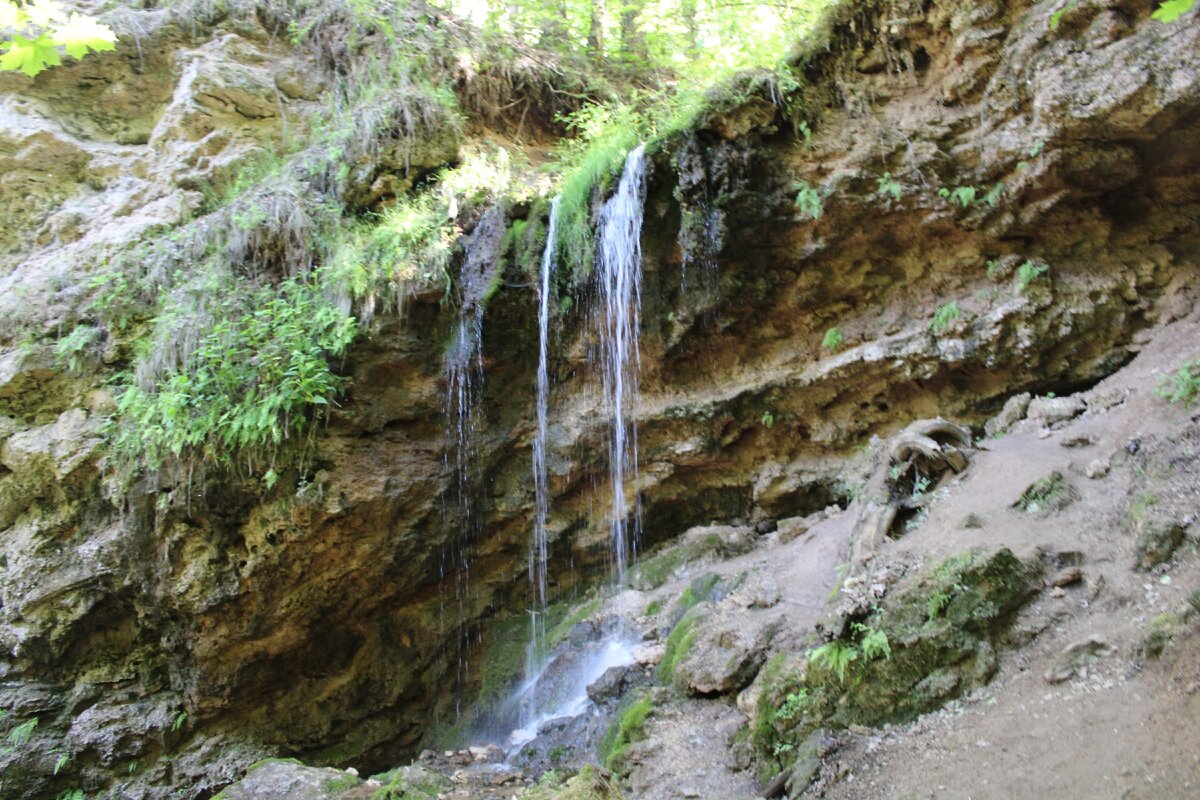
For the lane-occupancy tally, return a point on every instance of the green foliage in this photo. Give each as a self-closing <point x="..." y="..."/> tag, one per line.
<point x="808" y="200"/>
<point x="833" y="339"/>
<point x="72" y="794"/>
<point x="1057" y="16"/>
<point x="70" y="350"/>
<point x="793" y="705"/>
<point x="627" y="728"/>
<point x="963" y="195"/>
<point x="258" y="372"/>
<point x="936" y="603"/>
<point x="834" y="657"/>
<point x="178" y="720"/>
<point x="603" y="137"/>
<point x="22" y="733"/>
<point x="889" y="185"/>
<point x="1029" y="272"/>
<point x="654" y="606"/>
<point x="992" y="198"/>
<point x="944" y="315"/>
<point x="61" y="761"/>
<point x="1171" y="10"/>
<point x="1183" y="386"/>
<point x="768" y="419"/>
<point x="35" y="35"/>
<point x="874" y="643"/>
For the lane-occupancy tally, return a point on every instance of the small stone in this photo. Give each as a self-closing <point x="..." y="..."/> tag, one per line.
<point x="973" y="521"/>
<point x="1098" y="468"/>
<point x="1058" y="591"/>
<point x="1066" y="576"/>
<point x="1078" y="440"/>
<point x="648" y="655"/>
<point x="1013" y="411"/>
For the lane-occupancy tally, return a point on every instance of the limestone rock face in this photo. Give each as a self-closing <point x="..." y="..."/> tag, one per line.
<point x="169" y="634"/>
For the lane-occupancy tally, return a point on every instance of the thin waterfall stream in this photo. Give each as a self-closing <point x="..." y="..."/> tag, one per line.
<point x="542" y="696"/>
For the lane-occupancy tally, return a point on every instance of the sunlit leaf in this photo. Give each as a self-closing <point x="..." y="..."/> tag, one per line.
<point x="30" y="56"/>
<point x="79" y="34"/>
<point x="44" y="12"/>
<point x="10" y="15"/>
<point x="1171" y="10"/>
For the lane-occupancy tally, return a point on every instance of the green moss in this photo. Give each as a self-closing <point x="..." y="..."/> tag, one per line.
<point x="628" y="727"/>
<point x="414" y="782"/>
<point x="929" y="658"/>
<point x="562" y="618"/>
<point x="656" y="570"/>
<point x="679" y="642"/>
<point x="589" y="784"/>
<point x="336" y="786"/>
<point x="655" y="606"/>
<point x="506" y="641"/>
<point x="1047" y="495"/>
<point x="699" y="591"/>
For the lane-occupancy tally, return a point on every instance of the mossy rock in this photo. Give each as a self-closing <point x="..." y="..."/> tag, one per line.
<point x="627" y="727"/>
<point x="592" y="783"/>
<point x="415" y="782"/>
<point x="288" y="779"/>
<point x="940" y="633"/>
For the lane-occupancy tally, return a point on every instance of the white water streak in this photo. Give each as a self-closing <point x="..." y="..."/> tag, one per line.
<point x="620" y="276"/>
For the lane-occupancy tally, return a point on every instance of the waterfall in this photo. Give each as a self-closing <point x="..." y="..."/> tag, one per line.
<point x="557" y="688"/>
<point x="535" y="654"/>
<point x="463" y="501"/>
<point x="620" y="285"/>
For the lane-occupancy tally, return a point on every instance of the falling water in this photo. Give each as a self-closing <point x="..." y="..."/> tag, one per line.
<point x="463" y="367"/>
<point x="620" y="281"/>
<point x="557" y="687"/>
<point x="535" y="654"/>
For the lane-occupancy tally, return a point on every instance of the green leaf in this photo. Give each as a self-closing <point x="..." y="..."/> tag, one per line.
<point x="11" y="15"/>
<point x="1171" y="10"/>
<point x="30" y="56"/>
<point x="43" y="12"/>
<point x="80" y="33"/>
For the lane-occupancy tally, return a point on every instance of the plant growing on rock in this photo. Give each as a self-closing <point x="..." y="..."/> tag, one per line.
<point x="1171" y="10"/>
<point x="1029" y="272"/>
<point x="36" y="35"/>
<point x="888" y="185"/>
<point x="944" y="315"/>
<point x="963" y="195"/>
<point x="808" y="200"/>
<point x="1183" y="386"/>
<point x="833" y="339"/>
<point x="834" y="657"/>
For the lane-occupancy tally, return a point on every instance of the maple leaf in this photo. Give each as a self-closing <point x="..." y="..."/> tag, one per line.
<point x="43" y="12"/>
<point x="79" y="34"/>
<point x="30" y="56"/>
<point x="10" y="15"/>
<point x="1171" y="10"/>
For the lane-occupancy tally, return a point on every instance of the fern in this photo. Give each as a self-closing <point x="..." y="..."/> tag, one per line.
<point x="889" y="185"/>
<point x="808" y="200"/>
<point x="833" y="339"/>
<point x="1029" y="272"/>
<point x="944" y="316"/>
<point x="874" y="642"/>
<point x="834" y="657"/>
